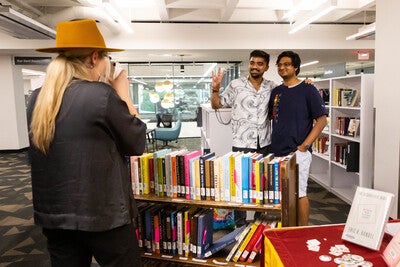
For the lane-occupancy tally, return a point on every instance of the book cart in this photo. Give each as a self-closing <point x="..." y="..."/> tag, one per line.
<point x="287" y="211"/>
<point x="343" y="154"/>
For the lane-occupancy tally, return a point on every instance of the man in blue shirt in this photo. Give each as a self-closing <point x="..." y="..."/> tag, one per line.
<point x="299" y="116"/>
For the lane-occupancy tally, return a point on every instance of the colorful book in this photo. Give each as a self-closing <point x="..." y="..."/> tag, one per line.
<point x="202" y="171"/>
<point x="238" y="177"/>
<point x="209" y="177"/>
<point x="257" y="234"/>
<point x="243" y="245"/>
<point x="267" y="159"/>
<point x="238" y="242"/>
<point x="245" y="178"/>
<point x="155" y="162"/>
<point x="186" y="159"/>
<point x="204" y="231"/>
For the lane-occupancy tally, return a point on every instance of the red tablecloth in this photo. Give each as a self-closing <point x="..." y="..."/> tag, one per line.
<point x="288" y="246"/>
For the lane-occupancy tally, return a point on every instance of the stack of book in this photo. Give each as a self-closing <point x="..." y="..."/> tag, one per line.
<point x="234" y="177"/>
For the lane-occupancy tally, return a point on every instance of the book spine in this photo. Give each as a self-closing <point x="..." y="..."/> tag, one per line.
<point x="146" y="176"/>
<point x="174" y="177"/>
<point x="238" y="178"/>
<point x="245" y="179"/>
<point x="246" y="241"/>
<point x="232" y="178"/>
<point x="180" y="232"/>
<point x="160" y="177"/>
<point x="151" y="174"/>
<point x="181" y="176"/>
<point x="276" y="183"/>
<point x="238" y="243"/>
<point x="257" y="234"/>
<point x="202" y="179"/>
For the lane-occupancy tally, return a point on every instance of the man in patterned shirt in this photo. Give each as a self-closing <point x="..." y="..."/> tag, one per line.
<point x="248" y="97"/>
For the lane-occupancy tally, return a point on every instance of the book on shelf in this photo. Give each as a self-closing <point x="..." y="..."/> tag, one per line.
<point x="343" y="97"/>
<point x="369" y="212"/>
<point x="245" y="174"/>
<point x="267" y="159"/>
<point x="256" y="249"/>
<point x="353" y="127"/>
<point x="224" y="242"/>
<point x="186" y="159"/>
<point x="246" y="240"/>
<point x="157" y="154"/>
<point x="203" y="179"/>
<point x="204" y="232"/>
<point x="237" y="176"/>
<point x="252" y="241"/>
<point x="209" y="174"/>
<point x="324" y="92"/>
<point x="353" y="157"/>
<point x="238" y="242"/>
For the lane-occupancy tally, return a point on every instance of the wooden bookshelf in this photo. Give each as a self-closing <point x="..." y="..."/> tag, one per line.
<point x="210" y="204"/>
<point x="286" y="211"/>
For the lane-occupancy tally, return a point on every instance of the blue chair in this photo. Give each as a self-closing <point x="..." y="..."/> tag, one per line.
<point x="169" y="134"/>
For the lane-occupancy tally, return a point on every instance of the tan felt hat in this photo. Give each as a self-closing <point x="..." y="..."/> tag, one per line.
<point x="78" y="34"/>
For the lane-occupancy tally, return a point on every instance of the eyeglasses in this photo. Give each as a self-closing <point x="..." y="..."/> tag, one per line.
<point x="284" y="64"/>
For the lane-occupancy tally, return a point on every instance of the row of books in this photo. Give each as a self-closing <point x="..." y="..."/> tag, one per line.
<point x="188" y="231"/>
<point x="248" y="241"/>
<point x="235" y="177"/>
<point x="345" y="97"/>
<point x="166" y="229"/>
<point x="347" y="126"/>
<point x="348" y="154"/>
<point x="321" y="145"/>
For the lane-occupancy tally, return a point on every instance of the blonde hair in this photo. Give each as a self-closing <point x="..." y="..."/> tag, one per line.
<point x="59" y="75"/>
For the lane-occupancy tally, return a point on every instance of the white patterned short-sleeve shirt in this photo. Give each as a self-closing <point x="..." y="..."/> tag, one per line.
<point x="249" y="112"/>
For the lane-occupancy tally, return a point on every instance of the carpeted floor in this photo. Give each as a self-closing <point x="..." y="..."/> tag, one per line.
<point x="22" y="244"/>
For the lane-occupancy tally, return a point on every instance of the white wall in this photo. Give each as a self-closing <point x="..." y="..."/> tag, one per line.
<point x="13" y="134"/>
<point x="387" y="100"/>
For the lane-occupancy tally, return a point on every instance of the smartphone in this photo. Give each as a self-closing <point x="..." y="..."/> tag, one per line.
<point x="115" y="69"/>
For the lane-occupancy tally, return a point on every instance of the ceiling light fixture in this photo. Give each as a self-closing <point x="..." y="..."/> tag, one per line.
<point x="23" y="27"/>
<point x="309" y="63"/>
<point x="116" y="16"/>
<point x="314" y="15"/>
<point x="363" y="32"/>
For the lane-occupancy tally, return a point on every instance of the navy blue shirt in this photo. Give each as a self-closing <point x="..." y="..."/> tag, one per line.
<point x="293" y="110"/>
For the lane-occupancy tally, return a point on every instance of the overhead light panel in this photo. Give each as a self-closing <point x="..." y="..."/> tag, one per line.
<point x="309" y="63"/>
<point x="363" y="32"/>
<point x="314" y="15"/>
<point x="20" y="26"/>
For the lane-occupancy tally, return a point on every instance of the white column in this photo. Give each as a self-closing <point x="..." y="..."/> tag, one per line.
<point x="14" y="130"/>
<point x="387" y="100"/>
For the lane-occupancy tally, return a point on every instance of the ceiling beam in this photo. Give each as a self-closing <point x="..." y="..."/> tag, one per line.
<point x="227" y="12"/>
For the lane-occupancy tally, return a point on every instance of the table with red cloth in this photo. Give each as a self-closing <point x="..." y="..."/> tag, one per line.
<point x="288" y="246"/>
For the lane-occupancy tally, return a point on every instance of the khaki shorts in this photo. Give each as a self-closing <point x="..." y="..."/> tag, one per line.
<point x="304" y="161"/>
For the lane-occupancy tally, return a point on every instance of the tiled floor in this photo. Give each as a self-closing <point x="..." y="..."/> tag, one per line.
<point x="22" y="244"/>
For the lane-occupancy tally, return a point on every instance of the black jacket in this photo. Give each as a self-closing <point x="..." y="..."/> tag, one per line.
<point x="84" y="183"/>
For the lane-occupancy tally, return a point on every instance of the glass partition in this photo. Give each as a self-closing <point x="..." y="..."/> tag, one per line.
<point x="168" y="88"/>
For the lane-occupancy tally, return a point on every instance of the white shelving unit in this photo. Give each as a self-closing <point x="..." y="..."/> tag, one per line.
<point x="216" y="130"/>
<point x="324" y="169"/>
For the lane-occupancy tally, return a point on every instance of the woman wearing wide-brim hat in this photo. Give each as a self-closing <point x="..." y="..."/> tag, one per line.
<point x="82" y="126"/>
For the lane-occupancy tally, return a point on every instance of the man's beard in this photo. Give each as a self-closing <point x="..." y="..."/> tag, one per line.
<point x="255" y="75"/>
